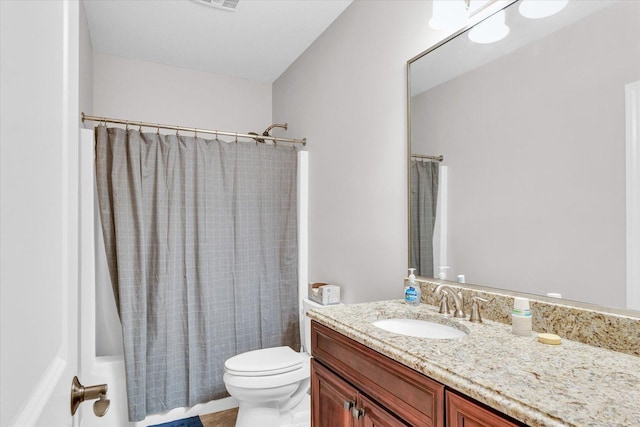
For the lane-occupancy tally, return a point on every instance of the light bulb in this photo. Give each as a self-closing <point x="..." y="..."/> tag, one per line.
<point x="535" y="9"/>
<point x="448" y="14"/>
<point x="490" y="30"/>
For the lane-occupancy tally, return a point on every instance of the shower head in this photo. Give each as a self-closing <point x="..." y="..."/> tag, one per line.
<point x="275" y="125"/>
<point x="267" y="130"/>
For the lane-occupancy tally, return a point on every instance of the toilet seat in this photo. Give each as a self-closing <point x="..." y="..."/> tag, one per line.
<point x="265" y="362"/>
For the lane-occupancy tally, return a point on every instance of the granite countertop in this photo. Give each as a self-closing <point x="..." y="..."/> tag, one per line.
<point x="571" y="384"/>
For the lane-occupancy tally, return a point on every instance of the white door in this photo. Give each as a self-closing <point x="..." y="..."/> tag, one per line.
<point x="38" y="211"/>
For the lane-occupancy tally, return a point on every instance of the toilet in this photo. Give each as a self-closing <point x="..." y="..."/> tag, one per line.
<point x="271" y="383"/>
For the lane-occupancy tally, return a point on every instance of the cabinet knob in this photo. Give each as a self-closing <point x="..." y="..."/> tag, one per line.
<point x="357" y="413"/>
<point x="349" y="404"/>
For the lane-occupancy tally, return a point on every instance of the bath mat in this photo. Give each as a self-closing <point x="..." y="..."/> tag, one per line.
<point x="185" y="422"/>
<point x="226" y="418"/>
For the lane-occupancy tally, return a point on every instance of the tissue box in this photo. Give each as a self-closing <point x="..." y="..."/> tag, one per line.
<point x="324" y="294"/>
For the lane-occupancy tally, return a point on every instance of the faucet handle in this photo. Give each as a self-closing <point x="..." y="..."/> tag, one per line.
<point x="459" y="305"/>
<point x="444" y="304"/>
<point x="475" y="309"/>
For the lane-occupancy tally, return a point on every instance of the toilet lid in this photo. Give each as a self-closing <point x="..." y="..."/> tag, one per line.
<point x="267" y="361"/>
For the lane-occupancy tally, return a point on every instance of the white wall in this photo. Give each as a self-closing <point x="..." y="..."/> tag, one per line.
<point x="86" y="64"/>
<point x="138" y="90"/>
<point x="534" y="142"/>
<point x="347" y="95"/>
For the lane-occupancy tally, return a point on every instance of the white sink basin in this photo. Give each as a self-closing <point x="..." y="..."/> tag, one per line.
<point x="419" y="328"/>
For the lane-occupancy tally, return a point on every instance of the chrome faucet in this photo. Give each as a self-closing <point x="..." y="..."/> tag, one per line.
<point x="457" y="298"/>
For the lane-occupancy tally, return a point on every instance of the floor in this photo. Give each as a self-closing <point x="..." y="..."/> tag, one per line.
<point x="220" y="419"/>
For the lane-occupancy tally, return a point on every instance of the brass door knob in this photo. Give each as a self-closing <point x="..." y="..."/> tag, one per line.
<point x="80" y="393"/>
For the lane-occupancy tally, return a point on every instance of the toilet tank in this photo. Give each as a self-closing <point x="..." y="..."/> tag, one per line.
<point x="305" y="323"/>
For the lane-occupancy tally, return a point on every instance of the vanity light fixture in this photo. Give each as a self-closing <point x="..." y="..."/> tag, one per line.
<point x="536" y="9"/>
<point x="228" y="5"/>
<point x="449" y="14"/>
<point x="490" y="30"/>
<point x="453" y="14"/>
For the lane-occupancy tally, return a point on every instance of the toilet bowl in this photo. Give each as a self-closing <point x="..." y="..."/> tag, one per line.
<point x="270" y="383"/>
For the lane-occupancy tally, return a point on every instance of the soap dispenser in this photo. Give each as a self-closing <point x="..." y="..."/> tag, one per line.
<point x="412" y="292"/>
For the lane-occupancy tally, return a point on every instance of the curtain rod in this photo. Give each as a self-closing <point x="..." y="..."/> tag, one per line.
<point x="422" y="156"/>
<point x="257" y="138"/>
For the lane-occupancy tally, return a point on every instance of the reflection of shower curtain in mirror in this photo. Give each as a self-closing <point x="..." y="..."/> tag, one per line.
<point x="201" y="240"/>
<point x="424" y="198"/>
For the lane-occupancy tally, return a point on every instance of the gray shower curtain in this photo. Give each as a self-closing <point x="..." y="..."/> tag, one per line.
<point x="424" y="203"/>
<point x="201" y="241"/>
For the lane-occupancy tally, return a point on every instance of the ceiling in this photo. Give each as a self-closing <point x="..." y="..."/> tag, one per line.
<point x="257" y="41"/>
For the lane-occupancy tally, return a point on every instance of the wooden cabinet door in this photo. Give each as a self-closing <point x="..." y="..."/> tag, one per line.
<point x="335" y="403"/>
<point x="463" y="412"/>
<point x="375" y="415"/>
<point x="412" y="397"/>
<point x="332" y="399"/>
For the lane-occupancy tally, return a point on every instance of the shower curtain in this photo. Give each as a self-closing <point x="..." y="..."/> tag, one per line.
<point x="424" y="199"/>
<point x="201" y="241"/>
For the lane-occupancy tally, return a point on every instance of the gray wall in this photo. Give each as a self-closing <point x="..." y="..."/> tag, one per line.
<point x="535" y="144"/>
<point x="347" y="95"/>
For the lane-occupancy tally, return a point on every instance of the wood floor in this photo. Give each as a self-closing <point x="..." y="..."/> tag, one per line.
<point x="220" y="419"/>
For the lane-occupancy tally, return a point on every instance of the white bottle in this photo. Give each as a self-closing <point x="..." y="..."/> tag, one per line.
<point x="521" y="317"/>
<point x="412" y="292"/>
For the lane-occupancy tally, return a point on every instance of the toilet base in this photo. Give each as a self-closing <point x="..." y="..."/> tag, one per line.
<point x="268" y="415"/>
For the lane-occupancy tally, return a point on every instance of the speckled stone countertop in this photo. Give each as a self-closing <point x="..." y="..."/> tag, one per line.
<point x="572" y="384"/>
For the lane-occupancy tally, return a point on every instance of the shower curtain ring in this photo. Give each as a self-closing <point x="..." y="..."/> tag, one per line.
<point x="236" y="138"/>
<point x="195" y="133"/>
<point x="126" y="128"/>
<point x="158" y="129"/>
<point x="140" y="128"/>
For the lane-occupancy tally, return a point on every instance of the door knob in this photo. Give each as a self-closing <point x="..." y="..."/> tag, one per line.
<point x="80" y="393"/>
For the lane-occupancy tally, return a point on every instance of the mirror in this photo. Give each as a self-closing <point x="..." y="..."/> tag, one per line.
<point x="530" y="195"/>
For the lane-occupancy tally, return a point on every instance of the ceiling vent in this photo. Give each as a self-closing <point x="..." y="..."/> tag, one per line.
<point x="229" y="5"/>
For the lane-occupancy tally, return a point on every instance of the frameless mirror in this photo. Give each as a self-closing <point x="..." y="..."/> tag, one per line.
<point x="531" y="193"/>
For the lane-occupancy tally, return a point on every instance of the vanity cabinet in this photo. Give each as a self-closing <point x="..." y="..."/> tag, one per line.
<point x="338" y="404"/>
<point x="355" y="386"/>
<point x="464" y="412"/>
<point x="352" y="385"/>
